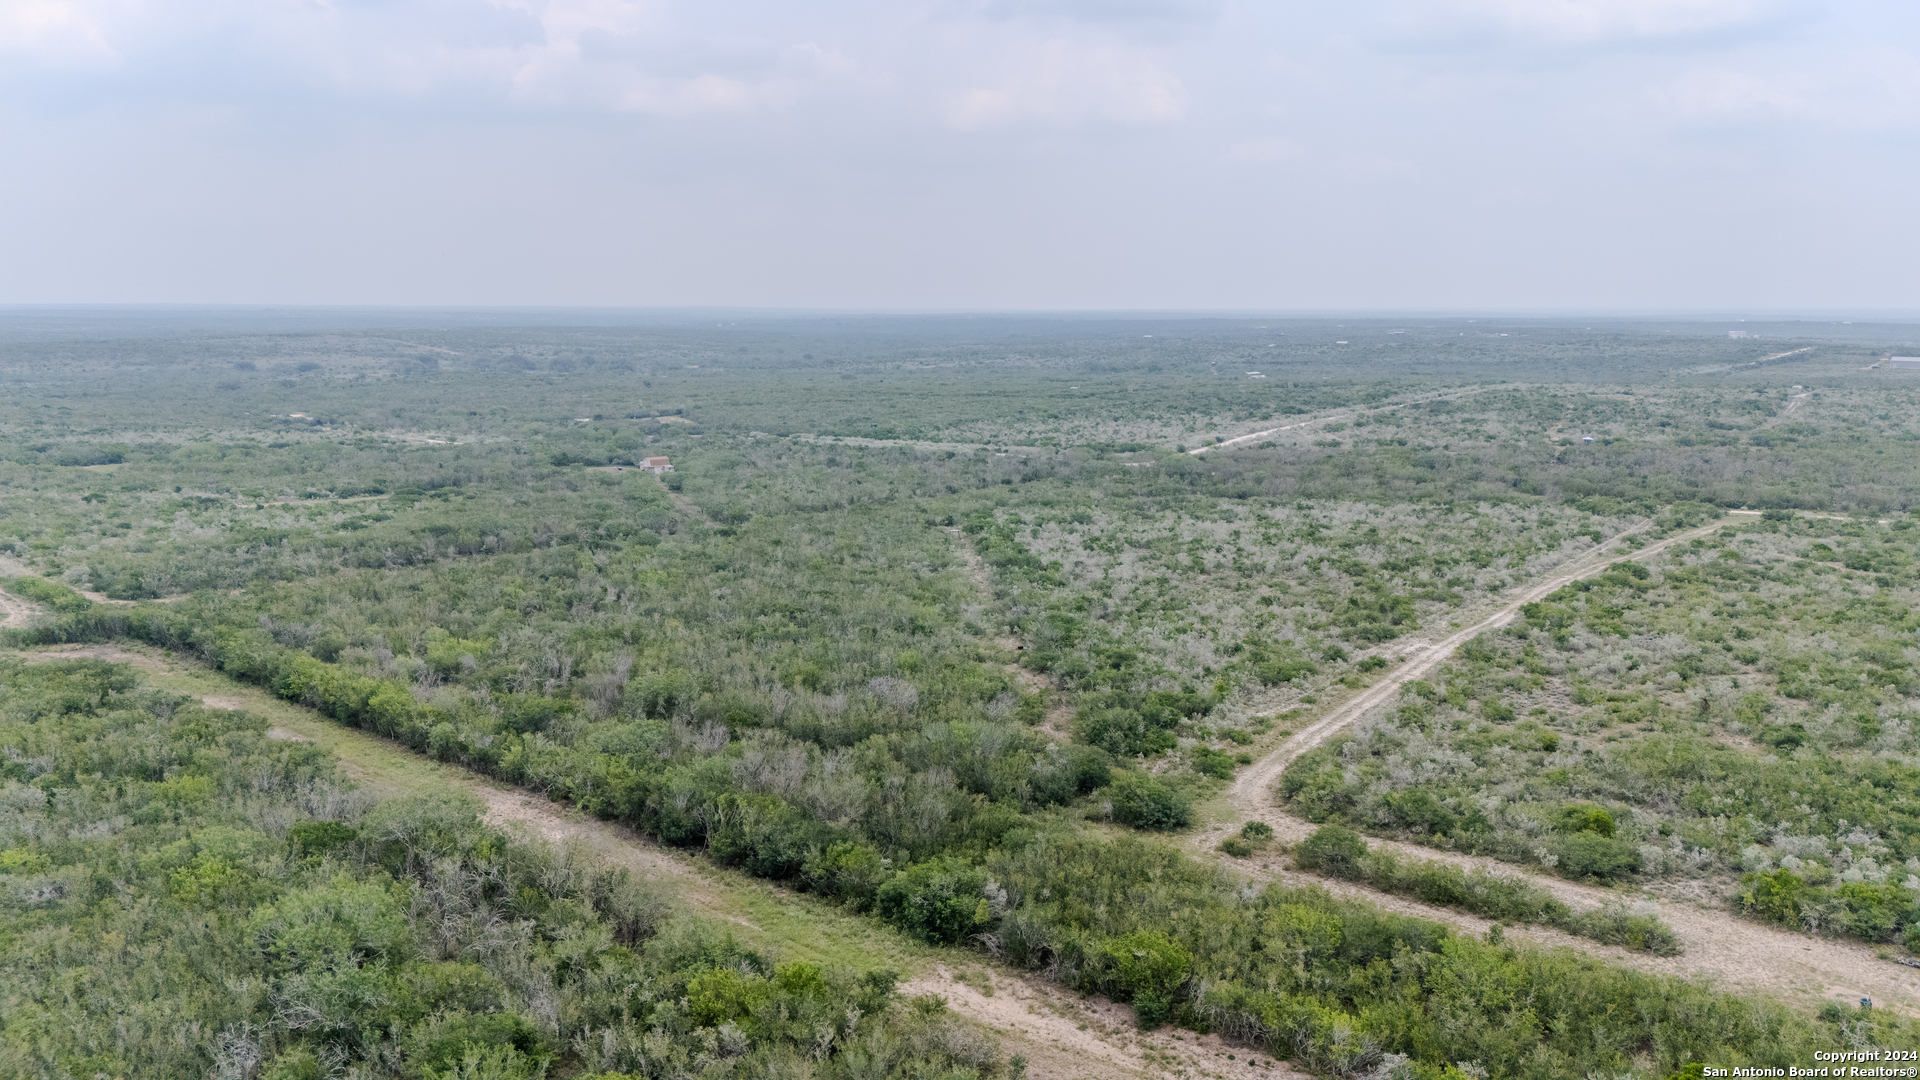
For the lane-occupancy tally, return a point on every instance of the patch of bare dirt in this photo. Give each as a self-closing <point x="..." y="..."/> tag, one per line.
<point x="15" y="611"/>
<point x="546" y="820"/>
<point x="1063" y="1035"/>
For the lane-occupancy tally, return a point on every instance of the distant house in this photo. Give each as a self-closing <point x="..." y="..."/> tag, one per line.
<point x="656" y="465"/>
<point x="1903" y="361"/>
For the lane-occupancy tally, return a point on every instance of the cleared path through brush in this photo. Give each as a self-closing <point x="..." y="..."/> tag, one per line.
<point x="1732" y="952"/>
<point x="1063" y="1035"/>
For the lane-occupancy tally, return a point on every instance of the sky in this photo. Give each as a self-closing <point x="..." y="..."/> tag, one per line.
<point x="1586" y="155"/>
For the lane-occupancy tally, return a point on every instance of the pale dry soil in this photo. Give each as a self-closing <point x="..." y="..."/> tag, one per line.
<point x="1063" y="1035"/>
<point x="15" y="611"/>
<point x="1730" y="952"/>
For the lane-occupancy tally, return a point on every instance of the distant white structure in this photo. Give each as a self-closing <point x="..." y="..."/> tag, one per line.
<point x="1736" y="333"/>
<point x="1255" y="375"/>
<point x="656" y="465"/>
<point x="1589" y="438"/>
<point x="1903" y="361"/>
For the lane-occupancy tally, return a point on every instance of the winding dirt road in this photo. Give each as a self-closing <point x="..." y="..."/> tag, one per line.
<point x="1733" y="953"/>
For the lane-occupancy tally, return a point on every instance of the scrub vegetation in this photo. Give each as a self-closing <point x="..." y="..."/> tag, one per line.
<point x="949" y="628"/>
<point x="186" y="897"/>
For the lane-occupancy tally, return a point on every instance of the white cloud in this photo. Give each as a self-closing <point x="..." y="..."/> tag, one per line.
<point x="1588" y="22"/>
<point x="1092" y="11"/>
<point x="55" y="32"/>
<point x="623" y="55"/>
<point x="1873" y="90"/>
<point x="1063" y="82"/>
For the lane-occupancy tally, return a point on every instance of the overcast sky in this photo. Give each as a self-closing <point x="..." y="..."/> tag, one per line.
<point x="969" y="154"/>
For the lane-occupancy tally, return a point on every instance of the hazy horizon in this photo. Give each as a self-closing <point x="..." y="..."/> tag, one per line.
<point x="964" y="155"/>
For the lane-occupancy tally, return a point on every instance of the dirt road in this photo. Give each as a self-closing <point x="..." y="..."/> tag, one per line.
<point x="1228" y="444"/>
<point x="1253" y="782"/>
<point x="1059" y="1033"/>
<point x="1062" y="1035"/>
<point x="1736" y="954"/>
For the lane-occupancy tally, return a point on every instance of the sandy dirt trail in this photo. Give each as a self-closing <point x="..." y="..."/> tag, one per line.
<point x="1733" y="953"/>
<point x="1228" y="444"/>
<point x="13" y="610"/>
<point x="1063" y="1035"/>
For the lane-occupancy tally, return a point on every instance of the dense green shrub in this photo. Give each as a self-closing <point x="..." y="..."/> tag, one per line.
<point x="1592" y="855"/>
<point x="1584" y="817"/>
<point x="1146" y="803"/>
<point x="1332" y="850"/>
<point x="942" y="901"/>
<point x="1149" y="969"/>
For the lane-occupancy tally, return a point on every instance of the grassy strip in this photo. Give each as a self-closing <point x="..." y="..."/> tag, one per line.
<point x="1341" y="853"/>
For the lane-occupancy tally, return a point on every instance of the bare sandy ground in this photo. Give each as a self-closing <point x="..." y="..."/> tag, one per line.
<point x="15" y="611"/>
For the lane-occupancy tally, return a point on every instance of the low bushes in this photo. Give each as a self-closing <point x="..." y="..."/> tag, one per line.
<point x="1145" y="803"/>
<point x="1864" y="910"/>
<point x="1345" y="989"/>
<point x="62" y="600"/>
<point x="1341" y="853"/>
